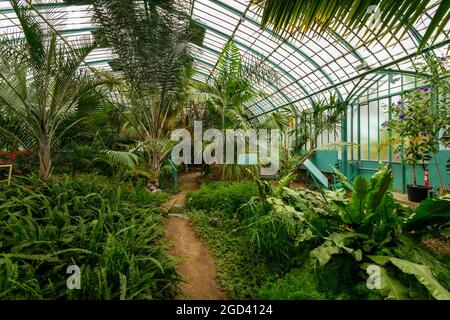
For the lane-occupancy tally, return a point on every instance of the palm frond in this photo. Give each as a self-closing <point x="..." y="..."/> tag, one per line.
<point x="396" y="17"/>
<point x="125" y="159"/>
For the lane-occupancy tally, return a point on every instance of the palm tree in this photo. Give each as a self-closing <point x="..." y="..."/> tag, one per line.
<point x="230" y="88"/>
<point x="324" y="116"/>
<point x="151" y="39"/>
<point x="283" y="120"/>
<point x="40" y="85"/>
<point x="396" y="16"/>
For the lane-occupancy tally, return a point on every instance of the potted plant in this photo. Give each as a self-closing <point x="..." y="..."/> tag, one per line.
<point x="414" y="127"/>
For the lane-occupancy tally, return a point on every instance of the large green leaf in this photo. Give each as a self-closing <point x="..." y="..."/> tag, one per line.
<point x="361" y="188"/>
<point x="424" y="275"/>
<point x="390" y="287"/>
<point x="335" y="244"/>
<point x="380" y="184"/>
<point x="323" y="253"/>
<point x="430" y="211"/>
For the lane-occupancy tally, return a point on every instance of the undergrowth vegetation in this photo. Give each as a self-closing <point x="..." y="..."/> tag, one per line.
<point x="355" y="242"/>
<point x="227" y="197"/>
<point x="109" y="229"/>
<point x="241" y="269"/>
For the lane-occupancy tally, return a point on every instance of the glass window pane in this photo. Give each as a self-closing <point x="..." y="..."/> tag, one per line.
<point x="373" y="130"/>
<point x="364" y="132"/>
<point x="355" y="132"/>
<point x="384" y="135"/>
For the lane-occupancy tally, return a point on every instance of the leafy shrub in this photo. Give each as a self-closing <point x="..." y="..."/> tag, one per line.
<point x="339" y="279"/>
<point x="298" y="284"/>
<point x="24" y="161"/>
<point x="222" y="196"/>
<point x="275" y="235"/>
<point x="142" y="197"/>
<point x="87" y="221"/>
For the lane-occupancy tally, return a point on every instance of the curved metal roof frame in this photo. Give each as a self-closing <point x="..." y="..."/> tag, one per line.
<point x="309" y="68"/>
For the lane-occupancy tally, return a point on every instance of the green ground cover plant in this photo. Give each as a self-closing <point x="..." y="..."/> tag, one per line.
<point x="223" y="196"/>
<point x="325" y="246"/>
<point x="241" y="270"/>
<point x="110" y="229"/>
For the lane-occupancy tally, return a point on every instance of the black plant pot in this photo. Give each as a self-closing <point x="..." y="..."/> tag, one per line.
<point x="417" y="193"/>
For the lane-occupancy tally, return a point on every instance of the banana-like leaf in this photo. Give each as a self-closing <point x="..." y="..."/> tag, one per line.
<point x="430" y="211"/>
<point x="380" y="184"/>
<point x="424" y="275"/>
<point x="335" y="244"/>
<point x="361" y="189"/>
<point x="390" y="287"/>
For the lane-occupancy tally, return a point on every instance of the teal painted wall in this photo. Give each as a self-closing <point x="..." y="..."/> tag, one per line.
<point x="402" y="173"/>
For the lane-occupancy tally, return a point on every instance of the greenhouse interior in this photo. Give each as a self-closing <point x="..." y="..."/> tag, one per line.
<point x="224" y="150"/>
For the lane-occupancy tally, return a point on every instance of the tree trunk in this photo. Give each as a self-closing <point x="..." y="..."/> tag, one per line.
<point x="413" y="168"/>
<point x="45" y="161"/>
<point x="223" y="131"/>
<point x="286" y="148"/>
<point x="154" y="167"/>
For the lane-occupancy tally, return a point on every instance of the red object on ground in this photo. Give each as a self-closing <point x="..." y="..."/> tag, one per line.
<point x="425" y="179"/>
<point x="426" y="182"/>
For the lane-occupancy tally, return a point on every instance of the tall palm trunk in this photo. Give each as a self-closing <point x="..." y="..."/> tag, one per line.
<point x="45" y="161"/>
<point x="154" y="167"/>
<point x="223" y="130"/>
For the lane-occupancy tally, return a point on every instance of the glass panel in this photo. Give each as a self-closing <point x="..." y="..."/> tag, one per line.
<point x="395" y="156"/>
<point x="364" y="130"/>
<point x="373" y="130"/>
<point x="384" y="134"/>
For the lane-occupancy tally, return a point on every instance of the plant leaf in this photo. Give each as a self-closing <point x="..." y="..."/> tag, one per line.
<point x="424" y="275"/>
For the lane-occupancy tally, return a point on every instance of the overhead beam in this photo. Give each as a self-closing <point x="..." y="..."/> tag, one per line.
<point x="279" y="38"/>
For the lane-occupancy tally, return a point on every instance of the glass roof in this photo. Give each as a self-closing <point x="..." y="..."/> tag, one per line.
<point x="308" y="68"/>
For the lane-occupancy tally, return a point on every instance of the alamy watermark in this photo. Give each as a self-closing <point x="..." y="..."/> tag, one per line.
<point x="374" y="280"/>
<point x="242" y="147"/>
<point x="74" y="281"/>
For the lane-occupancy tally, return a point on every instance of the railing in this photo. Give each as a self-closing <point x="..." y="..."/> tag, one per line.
<point x="10" y="167"/>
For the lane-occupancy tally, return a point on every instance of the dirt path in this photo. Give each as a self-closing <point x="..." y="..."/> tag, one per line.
<point x="197" y="269"/>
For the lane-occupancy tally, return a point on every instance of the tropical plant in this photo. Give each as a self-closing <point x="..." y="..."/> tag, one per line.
<point x="415" y="127"/>
<point x="324" y="116"/>
<point x="371" y="224"/>
<point x="41" y="83"/>
<point x="231" y="86"/>
<point x="395" y="16"/>
<point x="283" y="120"/>
<point x="360" y="220"/>
<point x="109" y="229"/>
<point x="430" y="212"/>
<point x="154" y="62"/>
<point x="394" y="289"/>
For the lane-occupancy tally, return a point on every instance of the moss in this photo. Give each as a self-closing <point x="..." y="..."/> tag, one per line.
<point x="298" y="284"/>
